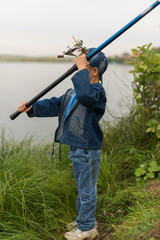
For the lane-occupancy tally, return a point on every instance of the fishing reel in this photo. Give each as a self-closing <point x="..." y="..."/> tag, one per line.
<point x="77" y="45"/>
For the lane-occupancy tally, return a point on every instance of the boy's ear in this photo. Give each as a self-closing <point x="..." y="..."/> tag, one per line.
<point x="95" y="70"/>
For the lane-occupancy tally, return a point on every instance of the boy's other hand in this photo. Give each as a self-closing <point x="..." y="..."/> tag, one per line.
<point x="22" y="107"/>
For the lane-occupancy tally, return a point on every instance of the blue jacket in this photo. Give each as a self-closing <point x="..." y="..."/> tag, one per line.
<point x="81" y="127"/>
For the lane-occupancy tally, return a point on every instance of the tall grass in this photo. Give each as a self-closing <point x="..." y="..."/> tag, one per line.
<point x="38" y="191"/>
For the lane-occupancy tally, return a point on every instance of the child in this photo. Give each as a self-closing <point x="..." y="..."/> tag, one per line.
<point x="80" y="110"/>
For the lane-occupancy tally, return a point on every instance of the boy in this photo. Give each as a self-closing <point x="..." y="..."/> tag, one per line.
<point x="80" y="110"/>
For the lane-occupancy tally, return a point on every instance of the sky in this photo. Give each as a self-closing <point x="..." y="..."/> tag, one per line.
<point x="46" y="27"/>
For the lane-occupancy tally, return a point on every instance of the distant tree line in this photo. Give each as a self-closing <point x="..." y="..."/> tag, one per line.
<point x="120" y="59"/>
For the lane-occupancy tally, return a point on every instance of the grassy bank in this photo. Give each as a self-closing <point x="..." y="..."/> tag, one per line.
<point x="38" y="192"/>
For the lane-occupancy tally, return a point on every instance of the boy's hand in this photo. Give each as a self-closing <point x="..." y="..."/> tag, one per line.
<point x="22" y="107"/>
<point x="81" y="62"/>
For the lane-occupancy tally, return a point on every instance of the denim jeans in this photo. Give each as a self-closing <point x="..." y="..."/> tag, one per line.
<point x="86" y="168"/>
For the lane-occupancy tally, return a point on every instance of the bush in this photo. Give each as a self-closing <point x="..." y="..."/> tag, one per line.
<point x="146" y="86"/>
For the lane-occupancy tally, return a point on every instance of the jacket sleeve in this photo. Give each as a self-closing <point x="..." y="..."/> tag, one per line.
<point x="88" y="94"/>
<point x="46" y="107"/>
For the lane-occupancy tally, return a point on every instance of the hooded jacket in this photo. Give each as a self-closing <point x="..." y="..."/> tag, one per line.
<point x="81" y="126"/>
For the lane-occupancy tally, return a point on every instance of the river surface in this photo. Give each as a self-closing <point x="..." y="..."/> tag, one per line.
<point x="22" y="81"/>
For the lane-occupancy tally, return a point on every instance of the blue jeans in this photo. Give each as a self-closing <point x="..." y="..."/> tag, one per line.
<point x="86" y="168"/>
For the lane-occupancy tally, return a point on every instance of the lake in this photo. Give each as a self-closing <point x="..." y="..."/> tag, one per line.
<point x="22" y="81"/>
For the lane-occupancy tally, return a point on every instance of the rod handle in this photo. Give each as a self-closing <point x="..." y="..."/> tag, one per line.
<point x="14" y="115"/>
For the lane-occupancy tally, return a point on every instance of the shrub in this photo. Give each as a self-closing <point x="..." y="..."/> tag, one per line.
<point x="146" y="85"/>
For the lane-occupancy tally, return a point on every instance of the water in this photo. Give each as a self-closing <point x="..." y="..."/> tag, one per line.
<point x="22" y="81"/>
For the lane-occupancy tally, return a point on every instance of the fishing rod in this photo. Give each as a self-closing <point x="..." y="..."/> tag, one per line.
<point x="78" y="44"/>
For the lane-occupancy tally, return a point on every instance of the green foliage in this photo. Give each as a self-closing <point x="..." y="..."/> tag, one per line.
<point x="132" y="213"/>
<point x="127" y="146"/>
<point x="148" y="170"/>
<point x="153" y="127"/>
<point x="140" y="223"/>
<point x="37" y="191"/>
<point x="146" y="84"/>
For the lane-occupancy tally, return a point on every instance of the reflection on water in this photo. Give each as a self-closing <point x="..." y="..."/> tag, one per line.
<point x="22" y="81"/>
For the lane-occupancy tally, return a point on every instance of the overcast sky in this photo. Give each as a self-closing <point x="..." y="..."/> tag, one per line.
<point x="46" y="27"/>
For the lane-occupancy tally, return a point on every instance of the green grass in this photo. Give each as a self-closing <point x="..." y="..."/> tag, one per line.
<point x="142" y="219"/>
<point x="38" y="191"/>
